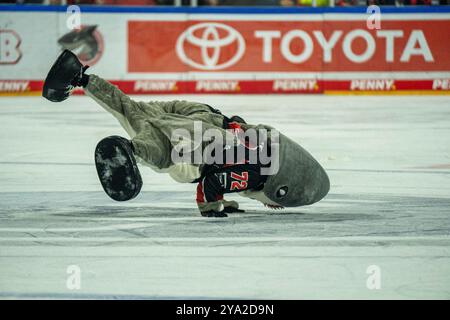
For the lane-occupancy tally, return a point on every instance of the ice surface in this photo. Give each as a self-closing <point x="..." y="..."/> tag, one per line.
<point x="388" y="158"/>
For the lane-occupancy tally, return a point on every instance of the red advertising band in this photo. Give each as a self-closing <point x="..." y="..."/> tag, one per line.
<point x="287" y="86"/>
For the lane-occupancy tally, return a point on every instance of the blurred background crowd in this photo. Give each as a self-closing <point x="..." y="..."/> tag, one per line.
<point x="285" y="3"/>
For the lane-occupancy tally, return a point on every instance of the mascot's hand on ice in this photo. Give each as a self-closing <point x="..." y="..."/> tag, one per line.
<point x="218" y="208"/>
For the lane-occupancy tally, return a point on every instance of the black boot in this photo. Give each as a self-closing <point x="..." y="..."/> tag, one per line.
<point x="117" y="168"/>
<point x="66" y="73"/>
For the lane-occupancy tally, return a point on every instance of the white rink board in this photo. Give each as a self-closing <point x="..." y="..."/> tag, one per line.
<point x="38" y="33"/>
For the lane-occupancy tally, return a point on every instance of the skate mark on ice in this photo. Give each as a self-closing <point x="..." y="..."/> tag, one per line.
<point x="118" y="227"/>
<point x="400" y="171"/>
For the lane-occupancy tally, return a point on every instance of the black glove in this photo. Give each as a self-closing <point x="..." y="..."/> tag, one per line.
<point x="232" y="210"/>
<point x="214" y="214"/>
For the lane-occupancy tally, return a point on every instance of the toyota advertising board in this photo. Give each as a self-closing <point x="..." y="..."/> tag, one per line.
<point x="292" y="46"/>
<point x="149" y="51"/>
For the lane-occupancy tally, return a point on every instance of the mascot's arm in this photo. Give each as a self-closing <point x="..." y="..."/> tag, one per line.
<point x="230" y="179"/>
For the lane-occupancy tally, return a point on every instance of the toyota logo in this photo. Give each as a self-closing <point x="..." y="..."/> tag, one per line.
<point x="210" y="46"/>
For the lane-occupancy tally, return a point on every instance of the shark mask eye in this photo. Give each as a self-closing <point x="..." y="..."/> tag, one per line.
<point x="282" y="192"/>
